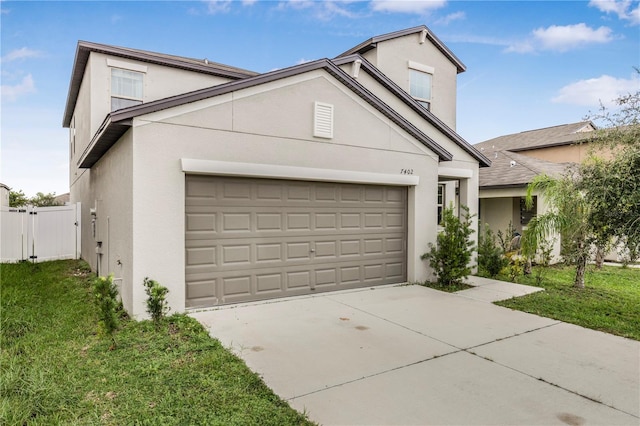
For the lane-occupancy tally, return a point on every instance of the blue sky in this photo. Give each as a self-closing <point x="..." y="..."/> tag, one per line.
<point x="530" y="64"/>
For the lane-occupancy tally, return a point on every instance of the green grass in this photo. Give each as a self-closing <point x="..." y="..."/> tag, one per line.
<point x="55" y="369"/>
<point x="610" y="302"/>
<point x="451" y="288"/>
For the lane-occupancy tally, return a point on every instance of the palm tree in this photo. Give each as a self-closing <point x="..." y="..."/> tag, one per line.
<point x="568" y="216"/>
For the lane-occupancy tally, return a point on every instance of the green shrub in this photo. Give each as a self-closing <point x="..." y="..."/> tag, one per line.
<point x="451" y="256"/>
<point x="491" y="258"/>
<point x="157" y="306"/>
<point x="106" y="298"/>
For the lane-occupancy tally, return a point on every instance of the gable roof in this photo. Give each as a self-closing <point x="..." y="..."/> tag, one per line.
<point x="390" y="85"/>
<point x="84" y="49"/>
<point x="565" y="134"/>
<point x="373" y="42"/>
<point x="118" y="122"/>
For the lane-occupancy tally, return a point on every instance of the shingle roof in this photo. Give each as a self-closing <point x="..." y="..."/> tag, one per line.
<point x="372" y="43"/>
<point x="85" y="48"/>
<point x="510" y="169"/>
<point x="565" y="134"/>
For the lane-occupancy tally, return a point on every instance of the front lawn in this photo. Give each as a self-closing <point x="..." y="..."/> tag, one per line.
<point x="55" y="369"/>
<point x="610" y="302"/>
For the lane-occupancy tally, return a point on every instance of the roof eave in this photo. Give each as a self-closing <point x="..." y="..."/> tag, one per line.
<point x="118" y="122"/>
<point x="84" y="49"/>
<point x="414" y="105"/>
<point x="107" y="135"/>
<point x="373" y="42"/>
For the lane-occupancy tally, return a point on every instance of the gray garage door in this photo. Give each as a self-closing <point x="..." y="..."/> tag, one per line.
<point x="253" y="239"/>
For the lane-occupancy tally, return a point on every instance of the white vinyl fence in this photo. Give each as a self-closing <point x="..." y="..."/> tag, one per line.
<point x="38" y="234"/>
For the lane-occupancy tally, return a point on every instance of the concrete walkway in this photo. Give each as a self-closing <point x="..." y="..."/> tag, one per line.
<point x="412" y="355"/>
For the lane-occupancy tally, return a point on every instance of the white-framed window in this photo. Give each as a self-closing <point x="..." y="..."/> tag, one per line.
<point x="420" y="83"/>
<point x="440" y="202"/>
<point x="126" y="88"/>
<point x="72" y="137"/>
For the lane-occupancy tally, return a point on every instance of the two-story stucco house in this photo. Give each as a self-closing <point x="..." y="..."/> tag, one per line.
<point x="226" y="185"/>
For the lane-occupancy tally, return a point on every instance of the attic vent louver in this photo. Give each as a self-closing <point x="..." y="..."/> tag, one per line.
<point x="323" y="120"/>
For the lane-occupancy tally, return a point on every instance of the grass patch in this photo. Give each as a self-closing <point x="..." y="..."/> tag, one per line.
<point x="610" y="302"/>
<point x="449" y="288"/>
<point x="55" y="369"/>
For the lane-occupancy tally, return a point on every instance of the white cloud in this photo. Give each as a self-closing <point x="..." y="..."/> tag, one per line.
<point x="26" y="86"/>
<point x="450" y="18"/>
<point x="323" y="10"/>
<point x="22" y="53"/>
<point x="296" y="4"/>
<point x="407" y="6"/>
<point x="218" y="6"/>
<point x="591" y="92"/>
<point x="623" y="8"/>
<point x="562" y="38"/>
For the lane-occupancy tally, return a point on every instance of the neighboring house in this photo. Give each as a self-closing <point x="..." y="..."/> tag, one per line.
<point x="515" y="160"/>
<point x="226" y="185"/>
<point x="62" y="199"/>
<point x="4" y="195"/>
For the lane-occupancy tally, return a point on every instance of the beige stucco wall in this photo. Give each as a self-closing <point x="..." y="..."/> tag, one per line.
<point x="270" y="124"/>
<point x="392" y="56"/>
<point x="159" y="82"/>
<point x="463" y="168"/>
<point x="107" y="189"/>
<point x="560" y="154"/>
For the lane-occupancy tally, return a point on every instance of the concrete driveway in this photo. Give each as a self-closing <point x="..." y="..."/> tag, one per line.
<point x="411" y="355"/>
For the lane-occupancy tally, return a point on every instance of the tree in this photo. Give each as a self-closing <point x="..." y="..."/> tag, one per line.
<point x="17" y="198"/>
<point x="491" y="258"/>
<point x="568" y="216"/>
<point x="451" y="256"/>
<point x="44" y="200"/>
<point x="612" y="185"/>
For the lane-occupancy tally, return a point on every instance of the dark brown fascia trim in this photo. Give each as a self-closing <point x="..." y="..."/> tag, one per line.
<point x="414" y="105"/>
<point x="84" y="49"/>
<point x="372" y="43"/>
<point x="120" y="117"/>
<point x="505" y="186"/>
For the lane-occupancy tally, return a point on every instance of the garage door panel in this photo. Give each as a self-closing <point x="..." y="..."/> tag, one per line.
<point x="251" y="239"/>
<point x="268" y="252"/>
<point x="373" y="272"/>
<point x="269" y="283"/>
<point x="395" y="270"/>
<point x="201" y="256"/>
<point x="266" y="221"/>
<point x="236" y="255"/>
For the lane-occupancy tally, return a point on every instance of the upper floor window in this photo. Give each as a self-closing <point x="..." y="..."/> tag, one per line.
<point x="420" y="82"/>
<point x="126" y="88"/>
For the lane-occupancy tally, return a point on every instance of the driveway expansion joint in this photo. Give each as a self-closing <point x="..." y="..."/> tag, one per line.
<point x="379" y="373"/>
<point x="546" y="381"/>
